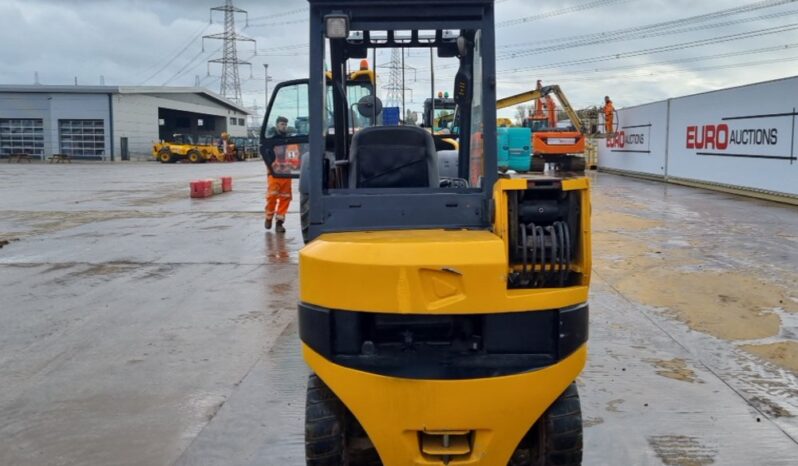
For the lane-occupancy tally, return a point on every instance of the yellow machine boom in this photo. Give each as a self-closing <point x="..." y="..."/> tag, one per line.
<point x="539" y="94"/>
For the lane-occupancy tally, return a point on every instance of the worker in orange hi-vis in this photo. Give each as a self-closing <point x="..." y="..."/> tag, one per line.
<point x="278" y="162"/>
<point x="227" y="148"/>
<point x="609" y="114"/>
<point x="551" y="111"/>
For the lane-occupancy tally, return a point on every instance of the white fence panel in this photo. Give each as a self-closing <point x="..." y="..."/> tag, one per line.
<point x="742" y="137"/>
<point x="639" y="142"/>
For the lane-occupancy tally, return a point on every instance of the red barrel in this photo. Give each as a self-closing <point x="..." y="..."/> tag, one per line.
<point x="227" y="183"/>
<point x="201" y="188"/>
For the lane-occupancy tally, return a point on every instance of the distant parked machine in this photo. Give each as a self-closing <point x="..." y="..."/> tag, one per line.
<point x="439" y="113"/>
<point x="514" y="148"/>
<point x="550" y="143"/>
<point x="245" y="148"/>
<point x="183" y="147"/>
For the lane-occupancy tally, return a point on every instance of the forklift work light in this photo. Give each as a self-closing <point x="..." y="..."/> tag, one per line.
<point x="337" y="26"/>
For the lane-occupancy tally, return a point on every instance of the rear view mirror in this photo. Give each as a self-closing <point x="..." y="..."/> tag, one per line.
<point x="369" y="106"/>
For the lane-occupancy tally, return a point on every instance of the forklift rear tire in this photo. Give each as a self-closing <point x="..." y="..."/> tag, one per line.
<point x="325" y="426"/>
<point x="333" y="437"/>
<point x="556" y="439"/>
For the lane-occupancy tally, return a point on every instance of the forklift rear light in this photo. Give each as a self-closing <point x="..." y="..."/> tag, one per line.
<point x="336" y="26"/>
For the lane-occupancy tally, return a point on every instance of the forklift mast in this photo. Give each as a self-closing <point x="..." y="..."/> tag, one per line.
<point x="336" y="202"/>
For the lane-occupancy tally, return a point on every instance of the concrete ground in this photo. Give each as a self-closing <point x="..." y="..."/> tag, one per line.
<point x="140" y="327"/>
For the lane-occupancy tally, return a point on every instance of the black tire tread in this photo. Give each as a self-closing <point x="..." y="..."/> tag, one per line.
<point x="563" y="424"/>
<point x="163" y="151"/>
<point x="324" y="425"/>
<point x="577" y="164"/>
<point x="194" y="153"/>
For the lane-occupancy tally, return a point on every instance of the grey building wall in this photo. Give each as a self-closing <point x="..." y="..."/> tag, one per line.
<point x="80" y="107"/>
<point x="136" y="118"/>
<point x="125" y="113"/>
<point x="51" y="108"/>
<point x="25" y="106"/>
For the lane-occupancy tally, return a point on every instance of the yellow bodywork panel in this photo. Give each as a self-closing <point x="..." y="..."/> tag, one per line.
<point x="434" y="271"/>
<point x="441" y="272"/>
<point x="498" y="410"/>
<point x="419" y="272"/>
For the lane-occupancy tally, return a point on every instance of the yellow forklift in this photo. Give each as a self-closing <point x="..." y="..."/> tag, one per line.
<point x="443" y="314"/>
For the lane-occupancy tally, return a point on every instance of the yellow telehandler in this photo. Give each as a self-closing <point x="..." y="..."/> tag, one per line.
<point x="183" y="147"/>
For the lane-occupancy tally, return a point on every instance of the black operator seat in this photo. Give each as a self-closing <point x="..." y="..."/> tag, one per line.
<point x="393" y="157"/>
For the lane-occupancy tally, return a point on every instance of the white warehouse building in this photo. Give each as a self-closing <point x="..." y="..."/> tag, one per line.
<point x="109" y="122"/>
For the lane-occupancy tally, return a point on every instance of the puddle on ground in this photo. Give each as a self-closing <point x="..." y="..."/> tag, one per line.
<point x="279" y="250"/>
<point x="682" y="450"/>
<point x="612" y="405"/>
<point x="592" y="421"/>
<point x="163" y="198"/>
<point x="675" y="368"/>
<point x="769" y="407"/>
<point x="43" y="222"/>
<point x="610" y="221"/>
<point x="5" y="240"/>
<point x="617" y="199"/>
<point x="728" y="305"/>
<point x="784" y="353"/>
<point x="110" y="268"/>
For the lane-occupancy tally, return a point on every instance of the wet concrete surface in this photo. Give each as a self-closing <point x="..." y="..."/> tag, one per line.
<point x="140" y="327"/>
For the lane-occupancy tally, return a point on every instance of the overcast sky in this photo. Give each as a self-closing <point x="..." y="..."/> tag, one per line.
<point x="157" y="42"/>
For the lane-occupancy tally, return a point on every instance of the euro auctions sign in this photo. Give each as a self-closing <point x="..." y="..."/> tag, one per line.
<point x="744" y="137"/>
<point x="639" y="144"/>
<point x="631" y="139"/>
<point x="767" y="136"/>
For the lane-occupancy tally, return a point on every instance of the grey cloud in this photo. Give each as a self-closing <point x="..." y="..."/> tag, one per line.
<point x="128" y="41"/>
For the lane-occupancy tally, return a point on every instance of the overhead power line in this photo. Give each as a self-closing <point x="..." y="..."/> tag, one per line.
<point x="698" y="59"/>
<point x="548" y="14"/>
<point x="704" y="27"/>
<point x="278" y="23"/>
<point x="175" y="56"/>
<point x="575" y="77"/>
<point x="563" y="11"/>
<point x="191" y="65"/>
<point x="284" y="47"/>
<point x="280" y="14"/>
<point x="665" y="28"/>
<point x="662" y="49"/>
<point x="652" y="30"/>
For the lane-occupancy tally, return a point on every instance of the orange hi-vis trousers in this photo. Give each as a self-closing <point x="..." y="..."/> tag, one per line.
<point x="608" y="123"/>
<point x="278" y="196"/>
